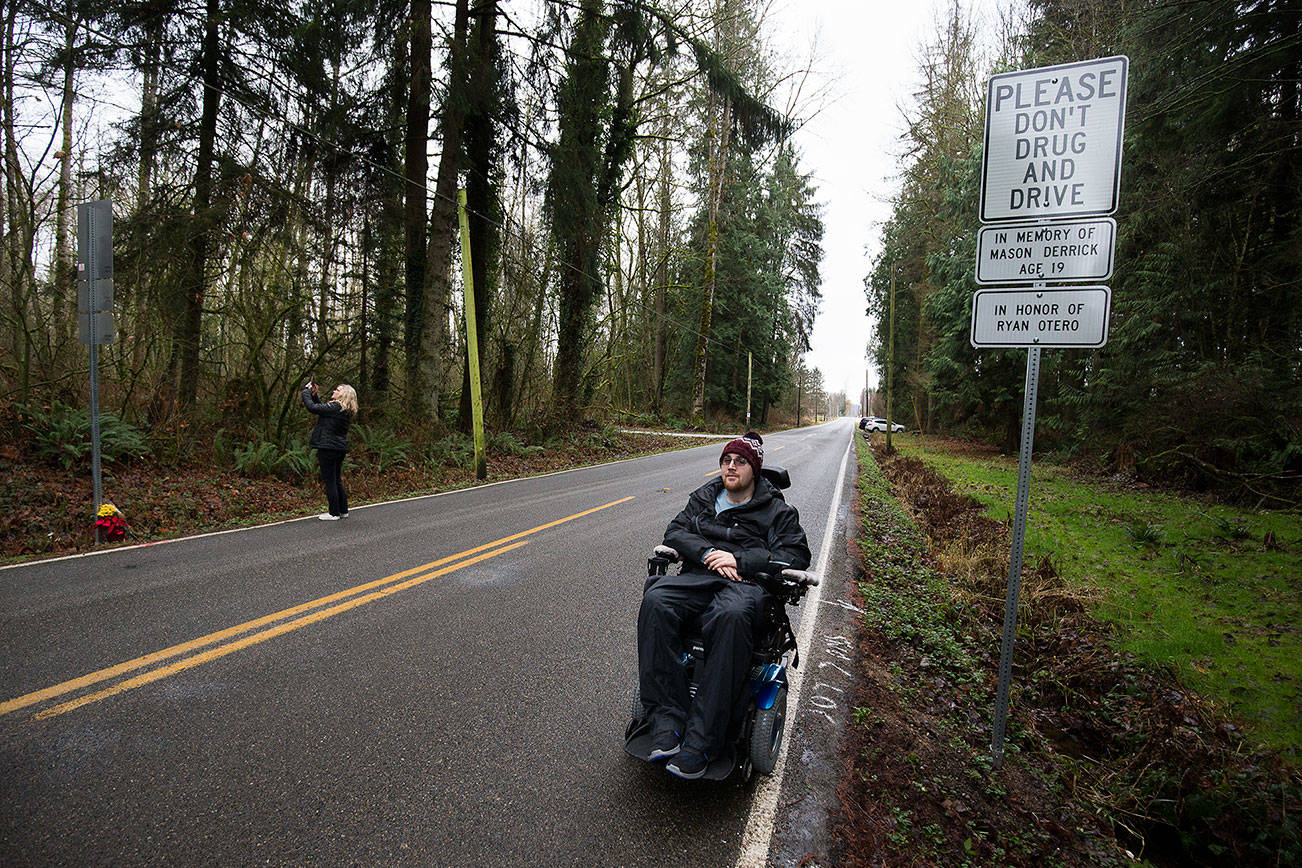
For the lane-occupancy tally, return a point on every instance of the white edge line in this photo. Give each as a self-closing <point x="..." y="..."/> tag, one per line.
<point x="764" y="809"/>
<point x="724" y="437"/>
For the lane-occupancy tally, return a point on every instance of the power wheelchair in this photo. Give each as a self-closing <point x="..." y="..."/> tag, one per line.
<point x="755" y="733"/>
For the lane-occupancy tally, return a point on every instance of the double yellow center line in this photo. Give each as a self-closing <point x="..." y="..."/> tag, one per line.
<point x="319" y="610"/>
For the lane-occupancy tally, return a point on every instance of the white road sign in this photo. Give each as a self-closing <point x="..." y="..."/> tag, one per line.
<point x="1053" y="140"/>
<point x="1040" y="252"/>
<point x="1076" y="317"/>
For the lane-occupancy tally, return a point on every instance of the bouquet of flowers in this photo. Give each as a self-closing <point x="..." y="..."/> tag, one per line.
<point x="111" y="522"/>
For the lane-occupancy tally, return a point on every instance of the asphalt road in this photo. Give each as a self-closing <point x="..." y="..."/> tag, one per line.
<point x="339" y="693"/>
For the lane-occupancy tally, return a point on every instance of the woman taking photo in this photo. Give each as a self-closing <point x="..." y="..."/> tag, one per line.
<point x="330" y="440"/>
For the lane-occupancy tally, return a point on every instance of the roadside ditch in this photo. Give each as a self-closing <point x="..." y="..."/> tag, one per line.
<point x="1107" y="762"/>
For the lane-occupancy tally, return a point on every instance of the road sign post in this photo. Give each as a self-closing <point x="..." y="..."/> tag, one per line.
<point x="1050" y="171"/>
<point x="1015" y="557"/>
<point x="95" y="311"/>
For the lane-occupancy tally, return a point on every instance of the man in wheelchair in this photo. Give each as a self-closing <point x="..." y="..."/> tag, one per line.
<point x="732" y="529"/>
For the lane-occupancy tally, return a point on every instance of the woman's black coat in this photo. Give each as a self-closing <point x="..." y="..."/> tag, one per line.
<point x="331" y="431"/>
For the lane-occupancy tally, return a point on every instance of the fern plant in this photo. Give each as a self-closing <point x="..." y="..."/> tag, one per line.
<point x="383" y="448"/>
<point x="454" y="450"/>
<point x="61" y="435"/>
<point x="256" y="459"/>
<point x="296" y="462"/>
<point x="506" y="443"/>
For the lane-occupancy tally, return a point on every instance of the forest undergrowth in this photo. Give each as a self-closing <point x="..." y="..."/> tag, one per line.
<point x="1108" y="760"/>
<point x="193" y="479"/>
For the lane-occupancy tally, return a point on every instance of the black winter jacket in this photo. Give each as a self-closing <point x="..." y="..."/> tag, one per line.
<point x="331" y="431"/>
<point x="765" y="529"/>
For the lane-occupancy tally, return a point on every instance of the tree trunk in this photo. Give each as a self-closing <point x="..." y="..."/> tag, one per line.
<point x="660" y="326"/>
<point x="583" y="191"/>
<point x="64" y="313"/>
<point x="416" y="163"/>
<point x="718" y="161"/>
<point x="19" y="228"/>
<point x="443" y="216"/>
<point x="482" y="198"/>
<point x="331" y="167"/>
<point x="388" y="246"/>
<point x="573" y="199"/>
<point x="190" y="327"/>
<point x="145" y="179"/>
<point x="364" y="324"/>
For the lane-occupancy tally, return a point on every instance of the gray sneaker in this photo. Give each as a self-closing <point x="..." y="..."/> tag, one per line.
<point x="665" y="745"/>
<point x="689" y="765"/>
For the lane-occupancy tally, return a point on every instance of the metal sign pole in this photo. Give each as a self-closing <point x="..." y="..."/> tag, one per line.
<point x="95" y="311"/>
<point x="94" y="426"/>
<point x="1015" y="560"/>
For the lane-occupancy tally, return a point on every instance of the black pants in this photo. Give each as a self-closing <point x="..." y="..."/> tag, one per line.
<point x="332" y="465"/>
<point x="727" y="612"/>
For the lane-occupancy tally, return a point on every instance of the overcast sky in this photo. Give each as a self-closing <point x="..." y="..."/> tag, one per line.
<point x="866" y="56"/>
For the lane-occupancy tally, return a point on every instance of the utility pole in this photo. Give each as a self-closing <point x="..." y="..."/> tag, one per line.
<point x="800" y="393"/>
<point x="890" y="363"/>
<point x="472" y="341"/>
<point x="748" y="372"/>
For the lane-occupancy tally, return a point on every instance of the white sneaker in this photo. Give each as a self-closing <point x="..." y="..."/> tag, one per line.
<point x="325" y="516"/>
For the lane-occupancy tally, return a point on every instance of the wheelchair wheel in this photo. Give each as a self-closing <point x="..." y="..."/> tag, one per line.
<point x="766" y="735"/>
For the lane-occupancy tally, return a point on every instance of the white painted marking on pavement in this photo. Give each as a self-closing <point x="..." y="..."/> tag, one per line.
<point x="764" y="809"/>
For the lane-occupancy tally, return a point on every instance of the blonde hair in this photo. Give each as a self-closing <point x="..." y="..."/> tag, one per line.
<point x="348" y="398"/>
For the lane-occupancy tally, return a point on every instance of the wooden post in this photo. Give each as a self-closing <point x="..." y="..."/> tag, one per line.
<point x="748" y="372"/>
<point x="890" y="363"/>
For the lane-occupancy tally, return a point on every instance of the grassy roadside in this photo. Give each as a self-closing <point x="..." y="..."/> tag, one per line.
<point x="1207" y="589"/>
<point x="1109" y="758"/>
<point x="919" y="786"/>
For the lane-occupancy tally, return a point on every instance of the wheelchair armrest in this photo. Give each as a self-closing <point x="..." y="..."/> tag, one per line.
<point x="801" y="577"/>
<point x="669" y="554"/>
<point x="660" y="559"/>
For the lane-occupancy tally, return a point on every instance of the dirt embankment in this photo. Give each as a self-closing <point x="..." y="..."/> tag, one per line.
<point x="1107" y="760"/>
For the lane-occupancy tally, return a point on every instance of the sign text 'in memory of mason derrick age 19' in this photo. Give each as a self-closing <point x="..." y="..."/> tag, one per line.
<point x="1076" y="317"/>
<point x="1039" y="252"/>
<point x="1053" y="141"/>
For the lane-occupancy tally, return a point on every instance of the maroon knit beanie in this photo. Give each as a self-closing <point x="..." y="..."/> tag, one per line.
<point x="749" y="446"/>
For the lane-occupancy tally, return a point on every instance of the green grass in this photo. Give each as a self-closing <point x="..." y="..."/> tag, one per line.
<point x="1188" y="583"/>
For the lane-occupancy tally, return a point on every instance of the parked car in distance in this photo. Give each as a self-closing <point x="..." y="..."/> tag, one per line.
<point x="877" y="423"/>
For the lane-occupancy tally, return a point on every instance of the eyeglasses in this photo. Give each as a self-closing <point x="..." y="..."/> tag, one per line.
<point x="732" y="461"/>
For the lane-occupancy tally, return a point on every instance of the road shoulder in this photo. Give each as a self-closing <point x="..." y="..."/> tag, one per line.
<point x="808" y="800"/>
